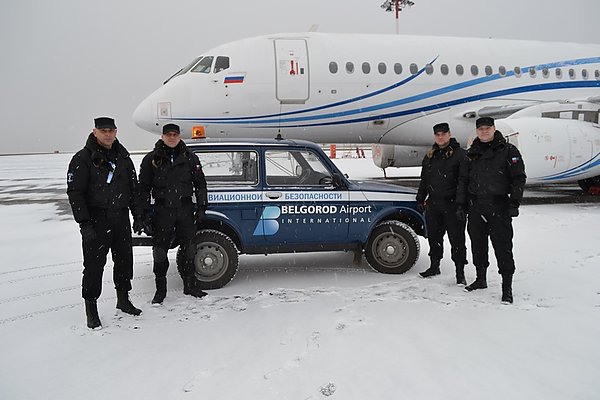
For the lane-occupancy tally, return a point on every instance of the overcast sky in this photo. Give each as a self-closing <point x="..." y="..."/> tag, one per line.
<point x="65" y="62"/>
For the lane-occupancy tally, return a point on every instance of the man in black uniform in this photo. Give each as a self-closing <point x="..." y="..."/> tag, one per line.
<point x="442" y="192"/>
<point x="495" y="189"/>
<point x="102" y="185"/>
<point x="171" y="174"/>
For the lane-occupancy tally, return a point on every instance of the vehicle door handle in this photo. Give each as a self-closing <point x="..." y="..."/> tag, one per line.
<point x="273" y="195"/>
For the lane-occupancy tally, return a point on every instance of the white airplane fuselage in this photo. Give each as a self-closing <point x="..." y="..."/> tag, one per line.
<point x="390" y="90"/>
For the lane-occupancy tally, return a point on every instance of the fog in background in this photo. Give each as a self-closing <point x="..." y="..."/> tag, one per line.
<point x="65" y="62"/>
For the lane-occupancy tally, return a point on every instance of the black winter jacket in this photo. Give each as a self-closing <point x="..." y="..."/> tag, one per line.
<point x="169" y="175"/>
<point x="496" y="170"/>
<point x="93" y="182"/>
<point x="444" y="175"/>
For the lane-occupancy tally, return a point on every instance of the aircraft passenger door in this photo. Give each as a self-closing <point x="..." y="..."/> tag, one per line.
<point x="291" y="56"/>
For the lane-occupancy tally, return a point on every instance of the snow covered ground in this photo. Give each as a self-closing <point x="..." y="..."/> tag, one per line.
<point x="305" y="326"/>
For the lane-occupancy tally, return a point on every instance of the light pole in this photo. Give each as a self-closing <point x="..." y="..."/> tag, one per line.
<point x="397" y="5"/>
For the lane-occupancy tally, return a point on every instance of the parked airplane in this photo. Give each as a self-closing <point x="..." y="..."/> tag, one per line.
<point x="390" y="90"/>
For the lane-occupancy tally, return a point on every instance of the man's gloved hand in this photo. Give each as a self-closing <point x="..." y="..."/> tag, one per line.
<point x="200" y="215"/>
<point x="88" y="233"/>
<point x="513" y="212"/>
<point x="423" y="205"/>
<point x="147" y="225"/>
<point x="460" y="214"/>
<point x="138" y="224"/>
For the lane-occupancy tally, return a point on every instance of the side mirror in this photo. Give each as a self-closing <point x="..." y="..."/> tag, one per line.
<point x="338" y="181"/>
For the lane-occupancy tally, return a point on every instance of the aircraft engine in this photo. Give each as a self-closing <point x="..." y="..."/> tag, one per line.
<point x="556" y="150"/>
<point x="388" y="155"/>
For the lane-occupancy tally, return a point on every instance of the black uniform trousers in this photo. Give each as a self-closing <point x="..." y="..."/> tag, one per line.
<point x="441" y="219"/>
<point x="113" y="231"/>
<point x="491" y="220"/>
<point x="172" y="223"/>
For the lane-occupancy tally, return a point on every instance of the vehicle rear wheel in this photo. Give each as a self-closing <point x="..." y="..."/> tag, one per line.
<point x="393" y="248"/>
<point x="215" y="259"/>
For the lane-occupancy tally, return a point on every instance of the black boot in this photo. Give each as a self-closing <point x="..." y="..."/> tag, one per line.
<point x="507" y="296"/>
<point x="161" y="290"/>
<point x="460" y="275"/>
<point x="190" y="287"/>
<point x="480" y="281"/>
<point x="434" y="269"/>
<point x="91" y="312"/>
<point x="124" y="304"/>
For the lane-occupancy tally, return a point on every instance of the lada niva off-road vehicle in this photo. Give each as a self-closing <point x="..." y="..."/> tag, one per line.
<point x="286" y="196"/>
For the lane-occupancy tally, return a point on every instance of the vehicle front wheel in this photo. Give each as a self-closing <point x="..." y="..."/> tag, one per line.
<point x="215" y="259"/>
<point x="393" y="248"/>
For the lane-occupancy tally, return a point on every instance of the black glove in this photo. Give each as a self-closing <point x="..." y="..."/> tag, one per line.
<point x="200" y="215"/>
<point x="87" y="230"/>
<point x="460" y="214"/>
<point x="138" y="225"/>
<point x="147" y="226"/>
<point x="513" y="212"/>
<point x="423" y="206"/>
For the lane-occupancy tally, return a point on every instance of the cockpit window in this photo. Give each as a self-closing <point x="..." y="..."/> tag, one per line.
<point x="204" y="65"/>
<point x="221" y="64"/>
<point x="184" y="69"/>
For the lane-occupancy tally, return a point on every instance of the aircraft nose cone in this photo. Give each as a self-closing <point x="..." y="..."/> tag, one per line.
<point x="144" y="116"/>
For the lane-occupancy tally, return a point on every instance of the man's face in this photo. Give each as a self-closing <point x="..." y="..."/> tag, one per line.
<point x="171" y="139"/>
<point x="442" y="138"/>
<point x="105" y="137"/>
<point x="485" y="133"/>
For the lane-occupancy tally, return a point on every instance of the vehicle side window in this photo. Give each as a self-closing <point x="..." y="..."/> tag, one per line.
<point x="295" y="168"/>
<point x="229" y="168"/>
<point x="222" y="63"/>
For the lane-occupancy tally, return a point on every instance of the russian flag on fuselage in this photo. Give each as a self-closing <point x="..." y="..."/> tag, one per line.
<point x="234" y="78"/>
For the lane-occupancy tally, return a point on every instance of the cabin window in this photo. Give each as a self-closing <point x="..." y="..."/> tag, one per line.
<point x="597" y="74"/>
<point x="413" y="68"/>
<point x="571" y="73"/>
<point x="517" y="71"/>
<point x="204" y="65"/>
<point x="222" y="63"/>
<point x="444" y="69"/>
<point x="349" y="67"/>
<point x="502" y="70"/>
<point x="532" y="72"/>
<point x="584" y="73"/>
<point x="474" y="70"/>
<point x="429" y="69"/>
<point x="545" y="72"/>
<point x="397" y="68"/>
<point x="333" y="67"/>
<point x="488" y="70"/>
<point x="382" y="68"/>
<point x="459" y="69"/>
<point x="366" y="68"/>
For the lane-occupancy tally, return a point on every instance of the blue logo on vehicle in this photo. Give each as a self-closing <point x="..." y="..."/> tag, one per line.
<point x="267" y="224"/>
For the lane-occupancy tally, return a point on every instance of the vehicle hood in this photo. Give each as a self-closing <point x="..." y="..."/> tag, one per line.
<point x="370" y="186"/>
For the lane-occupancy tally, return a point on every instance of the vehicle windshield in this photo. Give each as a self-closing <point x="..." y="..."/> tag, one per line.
<point x="184" y="69"/>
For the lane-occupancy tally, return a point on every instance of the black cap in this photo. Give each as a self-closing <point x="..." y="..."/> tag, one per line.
<point x="171" y="128"/>
<point x="484" y="121"/>
<point x="104" y="123"/>
<point x="441" y="127"/>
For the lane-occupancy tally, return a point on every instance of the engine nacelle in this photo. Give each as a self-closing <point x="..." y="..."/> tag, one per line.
<point x="388" y="155"/>
<point x="555" y="150"/>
